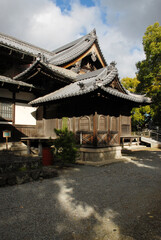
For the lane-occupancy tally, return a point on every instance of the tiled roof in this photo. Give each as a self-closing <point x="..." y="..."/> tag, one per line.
<point x="22" y="46"/>
<point x="65" y="73"/>
<point x="74" y="49"/>
<point x="5" y="79"/>
<point x="90" y="83"/>
<point x="58" y="57"/>
<point x="131" y="97"/>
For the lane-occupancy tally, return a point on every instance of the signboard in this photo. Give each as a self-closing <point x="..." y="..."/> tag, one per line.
<point x="6" y="134"/>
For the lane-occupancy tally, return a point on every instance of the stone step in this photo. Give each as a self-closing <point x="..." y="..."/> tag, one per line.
<point x="151" y="142"/>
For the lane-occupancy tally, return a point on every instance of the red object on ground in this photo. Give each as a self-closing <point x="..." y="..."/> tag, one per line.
<point x="47" y="156"/>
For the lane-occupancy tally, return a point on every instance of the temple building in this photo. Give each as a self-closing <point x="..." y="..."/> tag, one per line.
<point x="72" y="86"/>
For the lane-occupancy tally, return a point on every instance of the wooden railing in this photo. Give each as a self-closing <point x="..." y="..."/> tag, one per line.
<point x="102" y="138"/>
<point x="150" y="134"/>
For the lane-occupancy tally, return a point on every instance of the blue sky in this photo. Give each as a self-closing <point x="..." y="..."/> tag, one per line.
<point x="66" y="4"/>
<point x="119" y="24"/>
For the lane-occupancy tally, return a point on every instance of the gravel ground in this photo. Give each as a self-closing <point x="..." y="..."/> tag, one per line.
<point x="120" y="201"/>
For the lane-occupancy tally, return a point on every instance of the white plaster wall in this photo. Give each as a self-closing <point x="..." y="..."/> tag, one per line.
<point x="25" y="115"/>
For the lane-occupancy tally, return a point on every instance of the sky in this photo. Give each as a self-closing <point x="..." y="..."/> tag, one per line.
<point x="120" y="25"/>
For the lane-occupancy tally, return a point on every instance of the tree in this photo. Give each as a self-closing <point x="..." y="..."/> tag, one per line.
<point x="130" y="83"/>
<point x="65" y="146"/>
<point x="149" y="70"/>
<point x="139" y="116"/>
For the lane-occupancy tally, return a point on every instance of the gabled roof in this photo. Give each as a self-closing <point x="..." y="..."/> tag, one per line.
<point x="4" y="79"/>
<point x="59" y="56"/>
<point x="75" y="49"/>
<point x="90" y="82"/>
<point x="22" y="46"/>
<point x="38" y="65"/>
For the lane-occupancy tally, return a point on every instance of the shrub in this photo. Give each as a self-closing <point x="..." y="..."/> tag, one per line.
<point x="65" y="146"/>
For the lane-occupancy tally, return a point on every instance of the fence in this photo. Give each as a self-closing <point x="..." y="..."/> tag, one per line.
<point x="154" y="134"/>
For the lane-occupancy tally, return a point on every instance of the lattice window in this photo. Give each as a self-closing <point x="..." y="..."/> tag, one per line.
<point x="6" y="110"/>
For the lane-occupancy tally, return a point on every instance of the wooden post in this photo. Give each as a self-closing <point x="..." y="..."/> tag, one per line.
<point x="81" y="138"/>
<point x="119" y="130"/>
<point x="13" y="109"/>
<point x="95" y="129"/>
<point x="28" y="147"/>
<point x="40" y="149"/>
<point x="6" y="143"/>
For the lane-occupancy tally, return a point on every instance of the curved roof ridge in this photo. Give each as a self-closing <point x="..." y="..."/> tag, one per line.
<point x="23" y="46"/>
<point x="12" y="81"/>
<point x="70" y="44"/>
<point x="26" y="70"/>
<point x="90" y="84"/>
<point x="137" y="95"/>
<point x="114" y="92"/>
<point x="63" y="72"/>
<point x="106" y="76"/>
<point x="73" y="52"/>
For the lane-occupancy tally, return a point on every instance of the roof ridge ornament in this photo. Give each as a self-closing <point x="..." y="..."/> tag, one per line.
<point x="81" y="85"/>
<point x="41" y="57"/>
<point x="113" y="64"/>
<point x="93" y="33"/>
<point x="93" y="56"/>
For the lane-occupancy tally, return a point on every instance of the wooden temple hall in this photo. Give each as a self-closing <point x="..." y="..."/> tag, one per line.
<point x="72" y="86"/>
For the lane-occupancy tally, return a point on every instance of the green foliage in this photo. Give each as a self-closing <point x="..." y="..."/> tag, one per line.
<point x="130" y="83"/>
<point x="65" y="146"/>
<point x="140" y="116"/>
<point x="23" y="169"/>
<point x="149" y="70"/>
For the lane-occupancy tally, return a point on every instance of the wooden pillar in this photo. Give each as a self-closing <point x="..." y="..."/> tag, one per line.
<point x="95" y="121"/>
<point x="28" y="147"/>
<point x="74" y="123"/>
<point x="40" y="148"/>
<point x="81" y="138"/>
<point x="130" y="125"/>
<point x="119" y="130"/>
<point x="13" y="109"/>
<point x="57" y="123"/>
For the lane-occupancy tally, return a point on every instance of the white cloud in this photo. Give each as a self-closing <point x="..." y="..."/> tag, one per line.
<point x="117" y="48"/>
<point x="41" y="22"/>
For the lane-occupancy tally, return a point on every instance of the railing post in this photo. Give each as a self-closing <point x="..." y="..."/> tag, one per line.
<point x="81" y="138"/>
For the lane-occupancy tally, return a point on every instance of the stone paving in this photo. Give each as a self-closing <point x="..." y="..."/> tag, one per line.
<point x="120" y="201"/>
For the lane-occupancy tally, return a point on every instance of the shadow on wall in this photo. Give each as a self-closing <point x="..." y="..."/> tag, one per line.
<point x="15" y="133"/>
